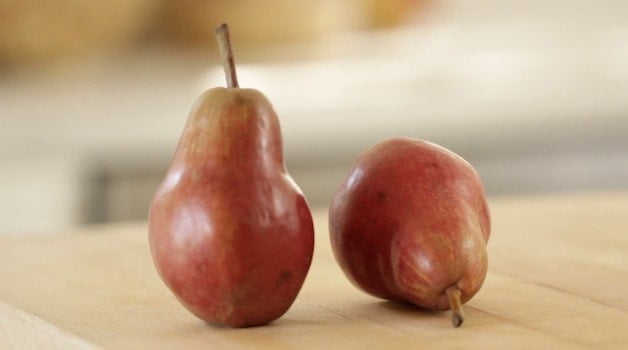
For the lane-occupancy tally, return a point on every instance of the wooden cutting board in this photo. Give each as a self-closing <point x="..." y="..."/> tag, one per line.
<point x="558" y="280"/>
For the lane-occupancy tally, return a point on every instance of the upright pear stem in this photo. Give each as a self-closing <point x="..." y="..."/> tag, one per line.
<point x="224" y="44"/>
<point x="454" y="294"/>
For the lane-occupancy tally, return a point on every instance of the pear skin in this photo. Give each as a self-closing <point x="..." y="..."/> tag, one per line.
<point x="230" y="232"/>
<point x="411" y="223"/>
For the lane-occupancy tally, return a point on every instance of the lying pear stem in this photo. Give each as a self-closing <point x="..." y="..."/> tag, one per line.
<point x="454" y="294"/>
<point x="224" y="44"/>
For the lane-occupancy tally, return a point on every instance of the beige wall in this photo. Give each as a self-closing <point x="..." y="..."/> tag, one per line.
<point x="532" y="92"/>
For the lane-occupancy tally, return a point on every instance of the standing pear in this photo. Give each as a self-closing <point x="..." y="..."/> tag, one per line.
<point x="230" y="232"/>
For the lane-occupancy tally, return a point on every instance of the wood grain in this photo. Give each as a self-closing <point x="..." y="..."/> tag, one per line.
<point x="558" y="279"/>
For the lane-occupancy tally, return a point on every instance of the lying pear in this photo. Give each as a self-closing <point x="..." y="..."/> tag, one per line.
<point x="230" y="232"/>
<point x="411" y="223"/>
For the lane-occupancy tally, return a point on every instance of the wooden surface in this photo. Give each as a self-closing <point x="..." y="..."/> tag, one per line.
<point x="558" y="278"/>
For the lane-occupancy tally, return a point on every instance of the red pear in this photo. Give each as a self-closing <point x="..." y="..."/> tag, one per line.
<point x="410" y="223"/>
<point x="230" y="233"/>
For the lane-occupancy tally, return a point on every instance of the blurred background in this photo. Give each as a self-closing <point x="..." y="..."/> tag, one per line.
<point x="94" y="94"/>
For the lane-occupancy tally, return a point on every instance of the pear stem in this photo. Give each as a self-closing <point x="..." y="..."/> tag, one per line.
<point x="224" y="45"/>
<point x="453" y="294"/>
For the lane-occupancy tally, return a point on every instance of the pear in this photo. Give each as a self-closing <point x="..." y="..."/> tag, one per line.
<point x="230" y="232"/>
<point x="410" y="223"/>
